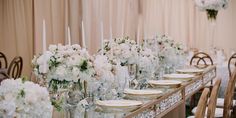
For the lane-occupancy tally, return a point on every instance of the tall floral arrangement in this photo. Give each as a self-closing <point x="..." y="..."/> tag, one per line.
<point x="24" y="99"/>
<point x="211" y="7"/>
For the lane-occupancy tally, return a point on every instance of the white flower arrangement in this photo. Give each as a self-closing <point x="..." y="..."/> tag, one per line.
<point x="211" y="7"/>
<point x="147" y="63"/>
<point x="64" y="64"/>
<point x="123" y="50"/>
<point x="124" y="53"/>
<point x="111" y="77"/>
<point x="24" y="99"/>
<point x="169" y="52"/>
<point x="103" y="68"/>
<point x="127" y="52"/>
<point x="211" y="4"/>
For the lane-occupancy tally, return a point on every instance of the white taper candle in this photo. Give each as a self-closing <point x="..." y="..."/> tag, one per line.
<point x="138" y="40"/>
<point x="44" y="47"/>
<point x="102" y="37"/>
<point x="68" y="34"/>
<point x="83" y="35"/>
<point x="44" y="37"/>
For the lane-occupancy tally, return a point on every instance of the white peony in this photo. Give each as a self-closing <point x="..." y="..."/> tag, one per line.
<point x="25" y="99"/>
<point x="103" y="68"/>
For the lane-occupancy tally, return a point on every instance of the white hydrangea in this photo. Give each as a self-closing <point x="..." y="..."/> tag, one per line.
<point x="64" y="62"/>
<point x="103" y="67"/>
<point x="147" y="62"/>
<point x="122" y="49"/>
<point x="211" y="4"/>
<point x="24" y="99"/>
<point x="170" y="53"/>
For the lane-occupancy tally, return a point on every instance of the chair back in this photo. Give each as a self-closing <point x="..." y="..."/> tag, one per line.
<point x="232" y="60"/>
<point x="15" y="67"/>
<point x="201" y="106"/>
<point x="3" y="60"/>
<point x="201" y="57"/>
<point x="228" y="100"/>
<point x="213" y="99"/>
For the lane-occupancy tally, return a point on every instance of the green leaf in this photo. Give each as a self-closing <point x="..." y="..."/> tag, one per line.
<point x="57" y="104"/>
<point x="84" y="66"/>
<point x="21" y="94"/>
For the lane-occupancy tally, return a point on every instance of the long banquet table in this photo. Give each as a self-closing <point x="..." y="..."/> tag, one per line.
<point x="170" y="105"/>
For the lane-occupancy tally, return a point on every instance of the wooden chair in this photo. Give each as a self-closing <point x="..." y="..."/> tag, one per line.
<point x="15" y="67"/>
<point x="228" y="100"/>
<point x="201" y="57"/>
<point x="212" y="101"/>
<point x="225" y="112"/>
<point x="201" y="109"/>
<point x="3" y="61"/>
<point x="232" y="60"/>
<point x="220" y="101"/>
<point x="201" y="106"/>
<point x="3" y="76"/>
<point x="200" y="60"/>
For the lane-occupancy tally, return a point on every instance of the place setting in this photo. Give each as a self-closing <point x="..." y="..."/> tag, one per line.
<point x="117" y="58"/>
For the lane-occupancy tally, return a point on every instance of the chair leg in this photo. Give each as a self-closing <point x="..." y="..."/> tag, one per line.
<point x="233" y="115"/>
<point x="192" y="101"/>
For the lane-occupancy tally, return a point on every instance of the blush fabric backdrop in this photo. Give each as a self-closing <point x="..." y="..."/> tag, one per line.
<point x="21" y="23"/>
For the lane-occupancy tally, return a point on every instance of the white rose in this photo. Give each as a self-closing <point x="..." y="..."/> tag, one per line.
<point x="52" y="48"/>
<point x="44" y="68"/>
<point x="7" y="108"/>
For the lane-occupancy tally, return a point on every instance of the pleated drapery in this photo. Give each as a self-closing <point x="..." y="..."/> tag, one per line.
<point x="21" y="24"/>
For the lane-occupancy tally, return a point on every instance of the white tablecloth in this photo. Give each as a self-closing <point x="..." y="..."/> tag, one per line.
<point x="223" y="74"/>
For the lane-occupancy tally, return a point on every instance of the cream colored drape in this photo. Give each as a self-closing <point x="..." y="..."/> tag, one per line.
<point x="58" y="15"/>
<point x="16" y="31"/>
<point x="180" y="19"/>
<point x="120" y="15"/>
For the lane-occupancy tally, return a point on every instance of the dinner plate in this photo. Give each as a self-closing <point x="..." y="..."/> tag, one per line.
<point x="118" y="105"/>
<point x="165" y="83"/>
<point x="190" y="71"/>
<point x="142" y="94"/>
<point x="181" y="77"/>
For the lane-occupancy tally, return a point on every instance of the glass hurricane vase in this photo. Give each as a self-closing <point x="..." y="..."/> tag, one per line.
<point x="77" y="91"/>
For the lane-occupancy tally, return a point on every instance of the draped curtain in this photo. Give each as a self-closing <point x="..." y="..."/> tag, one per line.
<point x="21" y="24"/>
<point x="16" y="31"/>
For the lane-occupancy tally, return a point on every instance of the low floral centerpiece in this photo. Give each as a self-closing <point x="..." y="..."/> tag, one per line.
<point x="170" y="53"/>
<point x="24" y="99"/>
<point x="65" y="68"/>
<point x="123" y="50"/>
<point x="126" y="53"/>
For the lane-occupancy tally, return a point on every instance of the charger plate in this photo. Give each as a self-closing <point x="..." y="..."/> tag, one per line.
<point x="190" y="71"/>
<point x="165" y="83"/>
<point x="181" y="77"/>
<point x="142" y="94"/>
<point x="118" y="105"/>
